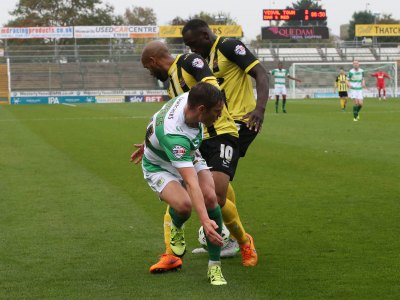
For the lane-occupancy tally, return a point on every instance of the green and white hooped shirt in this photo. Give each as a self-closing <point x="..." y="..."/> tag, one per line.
<point x="280" y="76"/>
<point x="356" y="77"/>
<point x="170" y="143"/>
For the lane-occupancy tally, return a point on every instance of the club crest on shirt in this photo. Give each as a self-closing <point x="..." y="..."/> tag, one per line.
<point x="198" y="63"/>
<point x="178" y="151"/>
<point x="240" y="50"/>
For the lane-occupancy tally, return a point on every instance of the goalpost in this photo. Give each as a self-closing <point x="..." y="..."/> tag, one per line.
<point x="318" y="79"/>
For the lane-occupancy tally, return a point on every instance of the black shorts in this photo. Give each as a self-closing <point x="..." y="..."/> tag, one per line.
<point x="342" y="94"/>
<point x="246" y="137"/>
<point x="221" y="153"/>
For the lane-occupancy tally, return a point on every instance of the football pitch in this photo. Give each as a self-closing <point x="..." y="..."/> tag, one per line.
<point x="319" y="193"/>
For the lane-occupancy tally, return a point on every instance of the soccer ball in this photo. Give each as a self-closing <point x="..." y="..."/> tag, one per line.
<point x="225" y="236"/>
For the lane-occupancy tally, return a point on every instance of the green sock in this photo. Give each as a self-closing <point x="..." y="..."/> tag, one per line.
<point x="214" y="252"/>
<point x="276" y="105"/>
<point x="359" y="108"/>
<point x="355" y="111"/>
<point x="283" y="104"/>
<point x="177" y="219"/>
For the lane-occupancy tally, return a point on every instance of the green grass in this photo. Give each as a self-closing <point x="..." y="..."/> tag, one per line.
<point x="319" y="193"/>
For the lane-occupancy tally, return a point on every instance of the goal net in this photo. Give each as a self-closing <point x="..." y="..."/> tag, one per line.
<point x="318" y="79"/>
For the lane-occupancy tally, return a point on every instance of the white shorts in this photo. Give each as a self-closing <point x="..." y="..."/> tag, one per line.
<point x="356" y="94"/>
<point x="280" y="90"/>
<point x="159" y="180"/>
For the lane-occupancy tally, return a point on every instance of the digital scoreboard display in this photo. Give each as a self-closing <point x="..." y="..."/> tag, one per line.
<point x="294" y="14"/>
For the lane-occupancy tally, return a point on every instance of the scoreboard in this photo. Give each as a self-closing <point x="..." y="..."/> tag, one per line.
<point x="294" y="14"/>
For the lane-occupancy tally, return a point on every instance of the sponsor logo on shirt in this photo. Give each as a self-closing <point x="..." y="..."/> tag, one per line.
<point x="178" y="151"/>
<point x="198" y="63"/>
<point x="240" y="50"/>
<point x="160" y="182"/>
<point x="174" y="108"/>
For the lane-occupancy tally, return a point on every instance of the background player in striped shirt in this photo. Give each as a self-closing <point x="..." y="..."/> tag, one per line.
<point x="380" y="83"/>
<point x="341" y="87"/>
<point x="280" y="74"/>
<point x="356" y="83"/>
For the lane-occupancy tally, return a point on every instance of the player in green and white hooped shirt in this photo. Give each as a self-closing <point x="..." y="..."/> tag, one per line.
<point x="175" y="169"/>
<point x="280" y="76"/>
<point x="356" y="83"/>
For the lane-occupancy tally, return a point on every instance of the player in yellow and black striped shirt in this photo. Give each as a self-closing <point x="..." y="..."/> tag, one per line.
<point x="341" y="87"/>
<point x="232" y="63"/>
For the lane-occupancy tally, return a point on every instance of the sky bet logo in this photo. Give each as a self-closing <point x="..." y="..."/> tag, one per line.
<point x="136" y="99"/>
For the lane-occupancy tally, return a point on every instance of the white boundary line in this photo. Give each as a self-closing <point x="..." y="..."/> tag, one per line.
<point x="69" y="104"/>
<point x="74" y="119"/>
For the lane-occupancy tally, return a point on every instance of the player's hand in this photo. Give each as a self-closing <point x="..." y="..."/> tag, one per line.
<point x="210" y="229"/>
<point x="256" y="119"/>
<point x="137" y="156"/>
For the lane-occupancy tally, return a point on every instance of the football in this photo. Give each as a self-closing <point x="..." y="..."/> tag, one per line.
<point x="225" y="235"/>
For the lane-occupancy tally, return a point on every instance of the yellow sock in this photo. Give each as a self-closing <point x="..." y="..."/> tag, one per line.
<point x="167" y="231"/>
<point x="232" y="222"/>
<point x="342" y="103"/>
<point x="230" y="194"/>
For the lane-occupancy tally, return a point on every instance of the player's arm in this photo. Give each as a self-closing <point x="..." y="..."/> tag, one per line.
<point x="292" y="78"/>
<point x="191" y="181"/>
<point x="136" y="156"/>
<point x="256" y="117"/>
<point x="363" y="81"/>
<point x="386" y="76"/>
<point x="196" y="66"/>
<point x="374" y="74"/>
<point x="238" y="53"/>
<point x="348" y="77"/>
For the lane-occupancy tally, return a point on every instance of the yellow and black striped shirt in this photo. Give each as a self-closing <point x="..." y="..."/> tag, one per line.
<point x="185" y="72"/>
<point x="230" y="61"/>
<point x="340" y="83"/>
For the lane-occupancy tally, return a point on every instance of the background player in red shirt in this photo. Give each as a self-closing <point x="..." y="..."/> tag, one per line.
<point x="380" y="82"/>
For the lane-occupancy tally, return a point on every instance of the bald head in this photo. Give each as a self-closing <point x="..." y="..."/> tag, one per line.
<point x="157" y="59"/>
<point x="155" y="49"/>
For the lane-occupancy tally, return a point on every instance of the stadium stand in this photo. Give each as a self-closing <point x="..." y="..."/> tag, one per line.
<point x="333" y="54"/>
<point x="298" y="54"/>
<point x="389" y="53"/>
<point x="118" y="66"/>
<point x="78" y="76"/>
<point x="361" y="54"/>
<point x="264" y="54"/>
